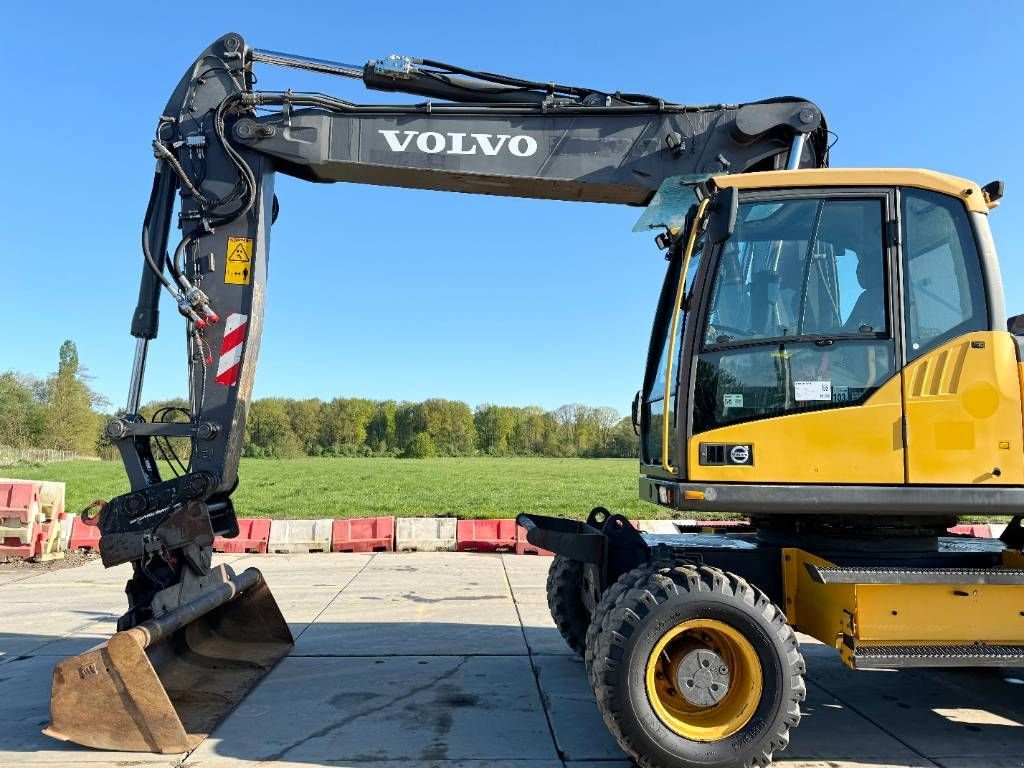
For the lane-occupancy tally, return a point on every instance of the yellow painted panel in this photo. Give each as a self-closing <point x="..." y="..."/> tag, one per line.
<point x="963" y="407"/>
<point x="823" y="611"/>
<point x="1020" y="376"/>
<point x="946" y="613"/>
<point x="963" y="189"/>
<point x="856" y="444"/>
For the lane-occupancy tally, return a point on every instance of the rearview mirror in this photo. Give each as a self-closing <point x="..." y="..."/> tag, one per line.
<point x="722" y="222"/>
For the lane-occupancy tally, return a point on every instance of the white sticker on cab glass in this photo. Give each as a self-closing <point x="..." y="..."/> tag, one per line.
<point x="732" y="401"/>
<point x="812" y="390"/>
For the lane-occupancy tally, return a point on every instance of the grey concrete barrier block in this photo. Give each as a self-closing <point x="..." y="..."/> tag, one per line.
<point x="65" y="531"/>
<point x="657" y="526"/>
<point x="291" y="536"/>
<point x="425" y="534"/>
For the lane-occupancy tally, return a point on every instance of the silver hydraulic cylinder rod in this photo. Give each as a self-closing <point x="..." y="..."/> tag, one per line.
<point x="138" y="373"/>
<point x="324" y="66"/>
<point x="795" y="151"/>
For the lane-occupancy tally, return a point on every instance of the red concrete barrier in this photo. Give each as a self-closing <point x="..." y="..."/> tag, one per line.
<point x="977" y="531"/>
<point x="523" y="547"/>
<point x="363" y="534"/>
<point x="21" y="519"/>
<point x="485" y="536"/>
<point x="253" y="535"/>
<point x="85" y="537"/>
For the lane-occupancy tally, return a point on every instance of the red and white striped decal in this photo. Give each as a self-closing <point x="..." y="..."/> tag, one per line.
<point x="231" y="349"/>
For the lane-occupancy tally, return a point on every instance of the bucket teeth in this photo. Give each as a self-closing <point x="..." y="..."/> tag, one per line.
<point x="164" y="685"/>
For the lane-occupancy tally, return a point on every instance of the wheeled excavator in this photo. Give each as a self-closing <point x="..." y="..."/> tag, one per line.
<point x="830" y="356"/>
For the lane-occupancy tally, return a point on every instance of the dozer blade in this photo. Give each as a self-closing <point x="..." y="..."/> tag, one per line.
<point x="163" y="685"/>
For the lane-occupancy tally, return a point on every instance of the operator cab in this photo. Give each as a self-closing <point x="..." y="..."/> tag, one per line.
<point x="842" y="329"/>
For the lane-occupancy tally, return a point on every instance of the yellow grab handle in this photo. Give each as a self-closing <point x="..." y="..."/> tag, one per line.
<point x="677" y="308"/>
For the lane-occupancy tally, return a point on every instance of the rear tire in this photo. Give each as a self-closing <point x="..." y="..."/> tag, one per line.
<point x="565" y="601"/>
<point x="642" y="655"/>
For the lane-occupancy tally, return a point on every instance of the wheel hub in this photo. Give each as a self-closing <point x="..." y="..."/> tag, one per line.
<point x="702" y="677"/>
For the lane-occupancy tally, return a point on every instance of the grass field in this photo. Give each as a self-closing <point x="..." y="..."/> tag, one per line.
<point x="463" y="487"/>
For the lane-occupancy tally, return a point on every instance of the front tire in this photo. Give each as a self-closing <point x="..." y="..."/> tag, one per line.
<point x="565" y="601"/>
<point x="695" y="667"/>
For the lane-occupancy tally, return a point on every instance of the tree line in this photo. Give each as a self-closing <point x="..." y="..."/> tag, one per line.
<point x="281" y="427"/>
<point x="62" y="412"/>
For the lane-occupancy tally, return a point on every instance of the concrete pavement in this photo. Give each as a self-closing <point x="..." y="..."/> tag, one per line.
<point x="451" y="660"/>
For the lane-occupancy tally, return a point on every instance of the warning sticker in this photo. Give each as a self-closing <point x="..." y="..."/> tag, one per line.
<point x="238" y="261"/>
<point x="812" y="390"/>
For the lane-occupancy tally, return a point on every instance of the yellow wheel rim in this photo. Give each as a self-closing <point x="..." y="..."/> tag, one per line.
<point x="720" y="671"/>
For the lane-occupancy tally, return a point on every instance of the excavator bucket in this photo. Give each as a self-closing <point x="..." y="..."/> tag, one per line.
<point x="163" y="685"/>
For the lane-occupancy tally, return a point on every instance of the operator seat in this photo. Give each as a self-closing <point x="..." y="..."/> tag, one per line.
<point x="869" y="309"/>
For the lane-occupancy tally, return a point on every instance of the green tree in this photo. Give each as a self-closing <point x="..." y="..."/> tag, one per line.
<point x="450" y="425"/>
<point x="269" y="431"/>
<point x="305" y="419"/>
<point x="495" y="429"/>
<point x="21" y="414"/>
<point x="409" y="422"/>
<point x="343" y="424"/>
<point x="623" y="442"/>
<point x="536" y="432"/>
<point x="420" y="447"/>
<point x="605" y="420"/>
<point x="381" y="432"/>
<point x="70" y="422"/>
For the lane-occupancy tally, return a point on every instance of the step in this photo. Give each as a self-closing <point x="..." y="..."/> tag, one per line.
<point x="906" y="656"/>
<point x="845" y="575"/>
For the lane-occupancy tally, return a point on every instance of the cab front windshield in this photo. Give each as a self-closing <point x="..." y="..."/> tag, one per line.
<point x="800" y="268"/>
<point x="798" y="314"/>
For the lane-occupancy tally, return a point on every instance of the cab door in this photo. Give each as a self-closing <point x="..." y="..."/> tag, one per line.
<point x="657" y="403"/>
<point x="961" y="387"/>
<point x="795" y="377"/>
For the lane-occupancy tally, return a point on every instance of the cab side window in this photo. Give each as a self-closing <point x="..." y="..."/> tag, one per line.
<point x="945" y="295"/>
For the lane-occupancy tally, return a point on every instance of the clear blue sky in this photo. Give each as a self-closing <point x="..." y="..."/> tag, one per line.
<point x="389" y="293"/>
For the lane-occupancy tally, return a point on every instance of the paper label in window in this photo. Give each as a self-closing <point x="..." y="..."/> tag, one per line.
<point x="733" y="401"/>
<point x="812" y="390"/>
<point x="840" y="393"/>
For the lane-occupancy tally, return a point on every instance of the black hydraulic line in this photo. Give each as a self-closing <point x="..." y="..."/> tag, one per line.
<point x="334" y="104"/>
<point x="439" y="85"/>
<point x="547" y="89"/>
<point x="552" y="88"/>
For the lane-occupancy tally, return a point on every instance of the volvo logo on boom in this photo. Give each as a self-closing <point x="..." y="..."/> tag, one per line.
<point x="435" y="143"/>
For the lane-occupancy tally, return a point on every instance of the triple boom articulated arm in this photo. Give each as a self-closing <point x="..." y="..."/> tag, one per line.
<point x="218" y="145"/>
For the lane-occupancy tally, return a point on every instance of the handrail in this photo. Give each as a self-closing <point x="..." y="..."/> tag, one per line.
<point x="676" y="309"/>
